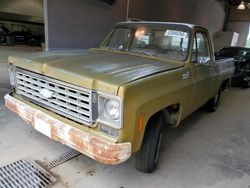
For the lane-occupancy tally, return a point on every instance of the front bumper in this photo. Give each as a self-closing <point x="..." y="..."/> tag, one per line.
<point x="92" y="146"/>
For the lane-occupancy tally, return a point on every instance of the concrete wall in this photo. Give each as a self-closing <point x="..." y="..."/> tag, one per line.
<point x="208" y="13"/>
<point x="85" y="17"/>
<point x="23" y="7"/>
<point x="138" y="9"/>
<point x="80" y="24"/>
<point x="239" y="21"/>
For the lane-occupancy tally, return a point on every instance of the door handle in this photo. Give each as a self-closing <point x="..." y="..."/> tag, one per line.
<point x="186" y="75"/>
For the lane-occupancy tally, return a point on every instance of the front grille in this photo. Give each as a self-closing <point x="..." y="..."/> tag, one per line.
<point x="71" y="102"/>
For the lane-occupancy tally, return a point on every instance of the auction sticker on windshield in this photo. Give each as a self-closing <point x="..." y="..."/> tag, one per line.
<point x="174" y="33"/>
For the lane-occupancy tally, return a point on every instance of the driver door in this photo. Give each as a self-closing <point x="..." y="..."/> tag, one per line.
<point x="203" y="70"/>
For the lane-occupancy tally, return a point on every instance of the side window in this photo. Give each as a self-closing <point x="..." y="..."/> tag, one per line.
<point x="201" y="52"/>
<point x="119" y="39"/>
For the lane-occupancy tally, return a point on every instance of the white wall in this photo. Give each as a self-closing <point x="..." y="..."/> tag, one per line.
<point x="242" y="28"/>
<point x="239" y="21"/>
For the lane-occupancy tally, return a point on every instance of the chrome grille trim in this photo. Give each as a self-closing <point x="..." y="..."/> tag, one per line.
<point x="72" y="102"/>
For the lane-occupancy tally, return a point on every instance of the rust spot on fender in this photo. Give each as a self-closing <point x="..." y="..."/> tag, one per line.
<point x="92" y="146"/>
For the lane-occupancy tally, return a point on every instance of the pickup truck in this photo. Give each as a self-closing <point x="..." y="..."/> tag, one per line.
<point x="113" y="101"/>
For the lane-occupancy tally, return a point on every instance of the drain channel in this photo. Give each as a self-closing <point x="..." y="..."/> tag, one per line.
<point x="62" y="159"/>
<point x="25" y="173"/>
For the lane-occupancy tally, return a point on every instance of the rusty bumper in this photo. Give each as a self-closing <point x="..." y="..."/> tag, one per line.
<point x="92" y="146"/>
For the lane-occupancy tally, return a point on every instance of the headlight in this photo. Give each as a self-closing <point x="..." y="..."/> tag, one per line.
<point x="12" y="76"/>
<point x="110" y="110"/>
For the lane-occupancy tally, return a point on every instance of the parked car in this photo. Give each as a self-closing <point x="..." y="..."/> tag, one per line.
<point x="35" y="40"/>
<point x="22" y="37"/>
<point x="241" y="57"/>
<point x="4" y="32"/>
<point x="112" y="101"/>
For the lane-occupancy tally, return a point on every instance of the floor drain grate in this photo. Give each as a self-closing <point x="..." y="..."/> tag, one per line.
<point x="62" y="159"/>
<point x="24" y="173"/>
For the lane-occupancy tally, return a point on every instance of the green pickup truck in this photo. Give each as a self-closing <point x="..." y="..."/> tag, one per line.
<point x="112" y="101"/>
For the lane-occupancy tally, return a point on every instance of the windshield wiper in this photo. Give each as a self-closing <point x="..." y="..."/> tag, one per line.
<point x="143" y="52"/>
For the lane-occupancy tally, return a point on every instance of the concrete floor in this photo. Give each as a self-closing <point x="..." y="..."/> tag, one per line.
<point x="209" y="150"/>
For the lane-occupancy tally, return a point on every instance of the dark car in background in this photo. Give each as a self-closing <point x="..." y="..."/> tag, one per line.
<point x="22" y="37"/>
<point x="4" y="32"/>
<point x="35" y="40"/>
<point x="241" y="57"/>
<point x="26" y="37"/>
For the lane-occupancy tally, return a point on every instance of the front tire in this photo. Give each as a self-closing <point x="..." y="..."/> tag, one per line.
<point x="148" y="155"/>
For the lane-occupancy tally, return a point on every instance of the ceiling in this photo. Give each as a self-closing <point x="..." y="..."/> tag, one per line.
<point x="237" y="2"/>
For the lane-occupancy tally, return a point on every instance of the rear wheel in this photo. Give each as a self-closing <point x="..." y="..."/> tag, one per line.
<point x="148" y="155"/>
<point x="212" y="104"/>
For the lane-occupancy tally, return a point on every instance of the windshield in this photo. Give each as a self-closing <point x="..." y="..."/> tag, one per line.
<point x="164" y="42"/>
<point x="233" y="52"/>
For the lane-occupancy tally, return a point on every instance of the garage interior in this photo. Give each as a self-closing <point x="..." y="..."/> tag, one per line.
<point x="209" y="150"/>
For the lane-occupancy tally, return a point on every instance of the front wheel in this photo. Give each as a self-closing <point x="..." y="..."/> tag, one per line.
<point x="148" y="155"/>
<point x="212" y="104"/>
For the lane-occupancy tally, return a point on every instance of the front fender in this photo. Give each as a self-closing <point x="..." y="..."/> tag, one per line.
<point x="144" y="98"/>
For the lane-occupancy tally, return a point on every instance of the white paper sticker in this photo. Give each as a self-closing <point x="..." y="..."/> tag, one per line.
<point x="174" y="33"/>
<point x="43" y="127"/>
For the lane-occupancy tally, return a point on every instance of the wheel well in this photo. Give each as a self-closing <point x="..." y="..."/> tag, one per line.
<point x="154" y="117"/>
<point x="170" y="115"/>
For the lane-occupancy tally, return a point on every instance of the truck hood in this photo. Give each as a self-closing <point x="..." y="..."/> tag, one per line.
<point x="93" y="69"/>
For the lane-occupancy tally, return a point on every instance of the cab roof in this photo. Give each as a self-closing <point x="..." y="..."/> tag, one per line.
<point x="191" y="26"/>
